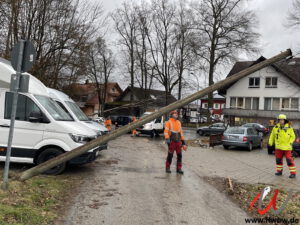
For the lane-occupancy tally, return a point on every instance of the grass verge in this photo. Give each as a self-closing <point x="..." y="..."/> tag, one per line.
<point x="36" y="201"/>
<point x="243" y="194"/>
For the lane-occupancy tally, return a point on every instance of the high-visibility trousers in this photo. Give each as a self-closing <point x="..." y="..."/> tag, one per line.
<point x="174" y="146"/>
<point x="289" y="160"/>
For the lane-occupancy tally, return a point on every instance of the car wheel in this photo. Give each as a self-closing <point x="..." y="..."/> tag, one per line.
<point x="226" y="146"/>
<point x="295" y="154"/>
<point x="250" y="146"/>
<point x="50" y="153"/>
<point x="153" y="133"/>
<point x="200" y="132"/>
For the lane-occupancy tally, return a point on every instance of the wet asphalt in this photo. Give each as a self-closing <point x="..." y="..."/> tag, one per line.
<point x="128" y="185"/>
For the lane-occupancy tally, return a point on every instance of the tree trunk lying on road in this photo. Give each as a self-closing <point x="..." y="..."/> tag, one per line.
<point x="123" y="130"/>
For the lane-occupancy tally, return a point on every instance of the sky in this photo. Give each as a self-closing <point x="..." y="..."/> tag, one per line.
<point x="271" y="14"/>
<point x="272" y="17"/>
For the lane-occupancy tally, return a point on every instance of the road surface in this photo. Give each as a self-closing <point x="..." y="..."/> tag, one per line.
<point x="128" y="185"/>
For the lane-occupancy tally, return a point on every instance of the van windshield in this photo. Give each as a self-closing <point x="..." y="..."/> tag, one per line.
<point x="53" y="108"/>
<point x="77" y="111"/>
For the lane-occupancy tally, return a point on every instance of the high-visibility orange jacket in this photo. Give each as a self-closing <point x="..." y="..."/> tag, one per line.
<point x="173" y="127"/>
<point x="107" y="123"/>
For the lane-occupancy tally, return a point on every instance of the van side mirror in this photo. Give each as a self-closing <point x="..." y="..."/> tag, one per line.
<point x="35" y="117"/>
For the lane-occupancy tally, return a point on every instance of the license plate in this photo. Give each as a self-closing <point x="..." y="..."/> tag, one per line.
<point x="233" y="137"/>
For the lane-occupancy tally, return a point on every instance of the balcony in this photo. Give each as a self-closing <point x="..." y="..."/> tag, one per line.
<point x="293" y="115"/>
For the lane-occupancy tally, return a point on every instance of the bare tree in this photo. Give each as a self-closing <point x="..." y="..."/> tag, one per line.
<point x="294" y="15"/>
<point x="225" y="29"/>
<point x="163" y="44"/>
<point x="125" y="19"/>
<point x="58" y="29"/>
<point x="100" y="68"/>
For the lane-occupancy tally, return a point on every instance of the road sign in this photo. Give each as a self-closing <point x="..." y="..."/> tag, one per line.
<point x="28" y="57"/>
<point x="22" y="58"/>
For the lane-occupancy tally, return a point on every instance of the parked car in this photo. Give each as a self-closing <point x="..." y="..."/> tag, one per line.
<point x="260" y="128"/>
<point x="216" y="128"/>
<point x="123" y="120"/>
<point x="246" y="137"/>
<point x="153" y="128"/>
<point x="99" y="120"/>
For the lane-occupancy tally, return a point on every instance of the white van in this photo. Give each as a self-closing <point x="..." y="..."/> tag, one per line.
<point x="43" y="129"/>
<point x="70" y="107"/>
<point x="153" y="128"/>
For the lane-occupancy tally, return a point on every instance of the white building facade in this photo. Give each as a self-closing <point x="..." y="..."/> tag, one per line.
<point x="262" y="95"/>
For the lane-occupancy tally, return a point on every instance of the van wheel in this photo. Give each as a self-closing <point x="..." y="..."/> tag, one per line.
<point x="250" y="147"/>
<point x="153" y="133"/>
<point x="50" y="153"/>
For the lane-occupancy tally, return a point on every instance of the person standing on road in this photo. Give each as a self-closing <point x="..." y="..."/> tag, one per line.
<point x="175" y="139"/>
<point x="133" y="132"/>
<point x="283" y="137"/>
<point x="108" y="124"/>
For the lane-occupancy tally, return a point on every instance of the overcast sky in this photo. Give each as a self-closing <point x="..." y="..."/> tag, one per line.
<point x="271" y="14"/>
<point x="272" y="17"/>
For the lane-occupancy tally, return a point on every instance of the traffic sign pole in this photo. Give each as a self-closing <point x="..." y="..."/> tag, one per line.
<point x="15" y="90"/>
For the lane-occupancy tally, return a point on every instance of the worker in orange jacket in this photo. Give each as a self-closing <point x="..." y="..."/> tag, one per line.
<point x="175" y="140"/>
<point x="133" y="131"/>
<point x="108" y="123"/>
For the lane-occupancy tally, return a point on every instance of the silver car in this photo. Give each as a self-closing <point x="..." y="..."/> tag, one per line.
<point x="246" y="137"/>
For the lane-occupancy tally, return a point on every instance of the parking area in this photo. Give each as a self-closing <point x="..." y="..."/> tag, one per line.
<point x="244" y="166"/>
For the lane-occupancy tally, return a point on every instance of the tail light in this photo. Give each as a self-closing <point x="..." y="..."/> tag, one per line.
<point x="298" y="140"/>
<point x="245" y="139"/>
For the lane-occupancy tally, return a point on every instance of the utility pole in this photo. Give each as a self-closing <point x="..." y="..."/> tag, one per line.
<point x="178" y="104"/>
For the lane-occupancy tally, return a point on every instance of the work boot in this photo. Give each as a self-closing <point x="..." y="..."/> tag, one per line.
<point x="292" y="176"/>
<point x="179" y="171"/>
<point x="278" y="173"/>
<point x="168" y="170"/>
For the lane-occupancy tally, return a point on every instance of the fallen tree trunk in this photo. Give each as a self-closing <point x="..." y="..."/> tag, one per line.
<point x="116" y="133"/>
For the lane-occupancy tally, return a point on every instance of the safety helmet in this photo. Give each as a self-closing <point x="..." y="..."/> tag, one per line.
<point x="173" y="112"/>
<point x="184" y="147"/>
<point x="282" y="117"/>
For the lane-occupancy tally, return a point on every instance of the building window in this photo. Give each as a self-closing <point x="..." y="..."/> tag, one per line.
<point x="216" y="106"/>
<point x="276" y="104"/>
<point x="295" y="104"/>
<point x="205" y="105"/>
<point x="247" y="103"/>
<point x="285" y="104"/>
<point x="240" y="103"/>
<point x="254" y="82"/>
<point x="268" y="104"/>
<point x="232" y="102"/>
<point x="223" y="106"/>
<point x="255" y="103"/>
<point x="271" y="82"/>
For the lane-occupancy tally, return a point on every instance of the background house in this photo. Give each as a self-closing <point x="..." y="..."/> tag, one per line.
<point x="218" y="106"/>
<point x="143" y="101"/>
<point x="86" y="95"/>
<point x="263" y="95"/>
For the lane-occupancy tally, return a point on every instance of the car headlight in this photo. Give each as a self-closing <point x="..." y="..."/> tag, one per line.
<point x="80" y="138"/>
<point x="148" y="126"/>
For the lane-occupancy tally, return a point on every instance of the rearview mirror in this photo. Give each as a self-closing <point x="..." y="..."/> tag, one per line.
<point x="35" y="117"/>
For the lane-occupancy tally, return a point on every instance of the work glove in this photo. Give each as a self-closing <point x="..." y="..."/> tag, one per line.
<point x="183" y="142"/>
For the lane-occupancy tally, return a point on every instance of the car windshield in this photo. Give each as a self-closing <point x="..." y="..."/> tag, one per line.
<point x="235" y="130"/>
<point x="53" y="108"/>
<point x="77" y="111"/>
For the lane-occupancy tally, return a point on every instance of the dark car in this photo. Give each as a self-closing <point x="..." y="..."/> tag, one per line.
<point x="260" y="128"/>
<point x="216" y="128"/>
<point x="247" y="137"/>
<point x="123" y="120"/>
<point x="296" y="145"/>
